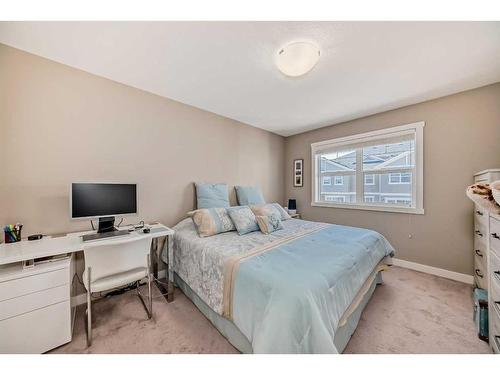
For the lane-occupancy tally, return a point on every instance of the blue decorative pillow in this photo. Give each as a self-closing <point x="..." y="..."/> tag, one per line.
<point x="243" y="218"/>
<point x="212" y="195"/>
<point x="248" y="195"/>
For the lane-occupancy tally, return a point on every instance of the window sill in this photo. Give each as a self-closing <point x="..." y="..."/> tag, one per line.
<point x="405" y="210"/>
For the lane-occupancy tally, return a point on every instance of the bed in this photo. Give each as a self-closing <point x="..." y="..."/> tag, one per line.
<point x="297" y="290"/>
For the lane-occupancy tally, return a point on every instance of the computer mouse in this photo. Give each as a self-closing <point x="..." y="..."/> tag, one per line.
<point x="146" y="230"/>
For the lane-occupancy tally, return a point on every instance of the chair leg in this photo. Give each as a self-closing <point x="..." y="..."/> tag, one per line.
<point x="89" y="312"/>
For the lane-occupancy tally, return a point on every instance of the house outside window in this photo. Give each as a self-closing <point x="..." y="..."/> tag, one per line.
<point x="335" y="198"/>
<point x="327" y="180"/>
<point x="380" y="170"/>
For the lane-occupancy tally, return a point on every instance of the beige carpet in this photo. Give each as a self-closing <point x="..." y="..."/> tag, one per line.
<point x="411" y="313"/>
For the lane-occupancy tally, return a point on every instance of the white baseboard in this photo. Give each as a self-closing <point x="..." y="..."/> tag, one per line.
<point x="462" y="277"/>
<point x="81" y="299"/>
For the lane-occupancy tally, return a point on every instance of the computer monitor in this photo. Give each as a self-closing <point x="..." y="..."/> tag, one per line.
<point x="103" y="201"/>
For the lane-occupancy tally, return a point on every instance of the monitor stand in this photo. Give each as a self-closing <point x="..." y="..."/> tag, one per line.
<point x="106" y="224"/>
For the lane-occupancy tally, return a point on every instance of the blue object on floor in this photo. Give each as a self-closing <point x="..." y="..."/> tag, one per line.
<point x="481" y="313"/>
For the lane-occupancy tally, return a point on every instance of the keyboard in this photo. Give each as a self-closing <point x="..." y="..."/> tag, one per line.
<point x="100" y="236"/>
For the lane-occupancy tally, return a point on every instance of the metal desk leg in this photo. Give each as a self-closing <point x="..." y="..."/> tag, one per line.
<point x="166" y="286"/>
<point x="170" y="270"/>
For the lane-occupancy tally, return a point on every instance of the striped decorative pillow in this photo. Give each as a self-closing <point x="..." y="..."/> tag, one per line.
<point x="269" y="224"/>
<point x="211" y="221"/>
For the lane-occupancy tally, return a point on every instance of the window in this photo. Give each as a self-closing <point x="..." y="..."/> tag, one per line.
<point x="380" y="170"/>
<point x="327" y="180"/>
<point x="399" y="178"/>
<point x="369" y="179"/>
<point x="339" y="180"/>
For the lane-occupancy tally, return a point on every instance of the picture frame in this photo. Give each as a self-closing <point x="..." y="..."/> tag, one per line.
<point x="298" y="173"/>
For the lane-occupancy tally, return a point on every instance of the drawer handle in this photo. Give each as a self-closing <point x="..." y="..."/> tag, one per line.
<point x="497" y="275"/>
<point x="479" y="253"/>
<point x="479" y="273"/>
<point x="494" y="235"/>
<point x="479" y="213"/>
<point x="478" y="232"/>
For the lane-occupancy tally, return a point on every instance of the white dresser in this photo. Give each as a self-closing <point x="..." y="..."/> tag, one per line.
<point x="482" y="232"/>
<point x="494" y="283"/>
<point x="35" y="306"/>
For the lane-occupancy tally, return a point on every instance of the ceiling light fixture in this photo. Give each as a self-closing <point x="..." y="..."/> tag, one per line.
<point x="297" y="58"/>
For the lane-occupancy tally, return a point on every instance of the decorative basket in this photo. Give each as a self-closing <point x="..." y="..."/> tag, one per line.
<point x="482" y="195"/>
<point x="495" y="191"/>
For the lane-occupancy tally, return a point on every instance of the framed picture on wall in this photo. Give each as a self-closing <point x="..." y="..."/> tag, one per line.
<point x="298" y="172"/>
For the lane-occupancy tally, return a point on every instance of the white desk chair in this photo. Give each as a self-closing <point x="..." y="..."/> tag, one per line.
<point x="115" y="264"/>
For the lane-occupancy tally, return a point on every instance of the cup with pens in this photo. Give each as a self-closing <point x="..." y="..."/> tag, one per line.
<point x="12" y="233"/>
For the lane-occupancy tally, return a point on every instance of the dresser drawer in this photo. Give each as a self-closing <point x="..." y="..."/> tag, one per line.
<point x="494" y="321"/>
<point x="495" y="297"/>
<point x="495" y="270"/>
<point x="480" y="275"/>
<point x="495" y="236"/>
<point x="29" y="302"/>
<point x="37" y="331"/>
<point x="25" y="285"/>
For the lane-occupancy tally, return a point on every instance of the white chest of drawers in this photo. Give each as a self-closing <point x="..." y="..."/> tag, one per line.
<point x="35" y="306"/>
<point x="482" y="232"/>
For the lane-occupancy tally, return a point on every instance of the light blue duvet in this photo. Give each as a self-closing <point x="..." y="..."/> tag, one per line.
<point x="291" y="298"/>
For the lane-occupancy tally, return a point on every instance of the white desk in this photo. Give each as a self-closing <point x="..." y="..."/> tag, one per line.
<point x="71" y="243"/>
<point x="35" y="303"/>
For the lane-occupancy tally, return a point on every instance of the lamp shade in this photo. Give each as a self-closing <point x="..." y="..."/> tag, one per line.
<point x="292" y="204"/>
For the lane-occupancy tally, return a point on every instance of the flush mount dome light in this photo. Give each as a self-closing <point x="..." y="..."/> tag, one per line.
<point x="297" y="58"/>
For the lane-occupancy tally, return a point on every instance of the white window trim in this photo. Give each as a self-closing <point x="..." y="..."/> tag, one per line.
<point x="323" y="180"/>
<point x="417" y="180"/>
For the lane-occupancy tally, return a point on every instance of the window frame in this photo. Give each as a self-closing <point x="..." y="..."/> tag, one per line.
<point x="417" y="174"/>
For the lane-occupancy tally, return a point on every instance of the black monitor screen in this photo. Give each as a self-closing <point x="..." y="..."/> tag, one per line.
<point x="92" y="200"/>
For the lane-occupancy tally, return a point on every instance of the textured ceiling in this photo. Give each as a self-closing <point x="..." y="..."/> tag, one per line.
<point x="228" y="67"/>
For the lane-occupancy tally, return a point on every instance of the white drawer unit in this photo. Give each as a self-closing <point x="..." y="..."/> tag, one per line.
<point x="35" y="306"/>
<point x="482" y="232"/>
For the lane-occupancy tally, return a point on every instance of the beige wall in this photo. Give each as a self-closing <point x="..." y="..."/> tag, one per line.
<point x="461" y="137"/>
<point x="65" y="125"/>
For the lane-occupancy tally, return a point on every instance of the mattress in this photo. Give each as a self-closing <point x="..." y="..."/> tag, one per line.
<point x="286" y="292"/>
<point x="240" y="342"/>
